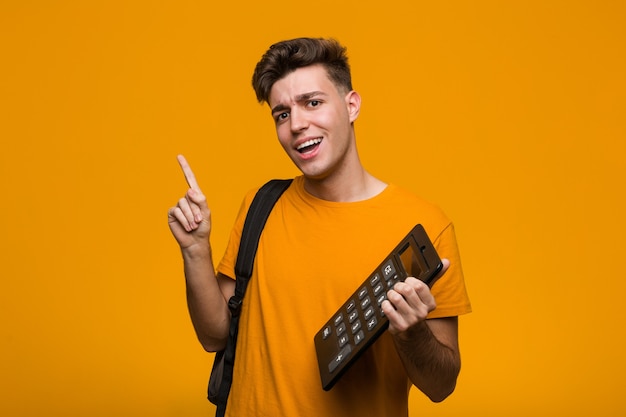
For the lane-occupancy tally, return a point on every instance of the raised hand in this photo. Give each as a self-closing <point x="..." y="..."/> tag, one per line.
<point x="190" y="219"/>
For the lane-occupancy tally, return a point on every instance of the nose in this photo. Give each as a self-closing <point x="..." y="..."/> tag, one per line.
<point x="299" y="121"/>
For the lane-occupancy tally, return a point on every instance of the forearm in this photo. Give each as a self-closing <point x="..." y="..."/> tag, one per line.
<point x="207" y="306"/>
<point x="432" y="365"/>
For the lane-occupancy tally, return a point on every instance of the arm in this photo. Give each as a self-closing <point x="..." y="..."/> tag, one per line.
<point x="207" y="294"/>
<point x="428" y="348"/>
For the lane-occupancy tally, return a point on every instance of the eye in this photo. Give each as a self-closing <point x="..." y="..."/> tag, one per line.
<point x="281" y="116"/>
<point x="314" y="103"/>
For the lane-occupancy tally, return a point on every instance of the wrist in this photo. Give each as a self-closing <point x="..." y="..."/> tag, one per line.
<point x="197" y="251"/>
<point x="419" y="332"/>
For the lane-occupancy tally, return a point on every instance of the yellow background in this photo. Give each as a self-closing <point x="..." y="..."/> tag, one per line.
<point x="510" y="115"/>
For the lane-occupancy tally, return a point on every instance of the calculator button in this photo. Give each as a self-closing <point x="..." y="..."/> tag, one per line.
<point x="341" y="328"/>
<point x="356" y="326"/>
<point x="375" y="279"/>
<point x="326" y="332"/>
<point x="368" y="313"/>
<point x="353" y="316"/>
<point x="388" y="269"/>
<point x="340" y="357"/>
<point x="362" y="293"/>
<point x="378" y="288"/>
<point x="358" y="338"/>
<point x="364" y="303"/>
<point x="343" y="339"/>
<point x="380" y="299"/>
<point x="372" y="323"/>
<point x="338" y="320"/>
<point x="350" y="306"/>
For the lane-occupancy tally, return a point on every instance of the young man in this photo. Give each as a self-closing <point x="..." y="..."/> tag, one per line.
<point x="326" y="234"/>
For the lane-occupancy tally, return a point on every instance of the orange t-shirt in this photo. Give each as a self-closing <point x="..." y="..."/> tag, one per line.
<point x="311" y="256"/>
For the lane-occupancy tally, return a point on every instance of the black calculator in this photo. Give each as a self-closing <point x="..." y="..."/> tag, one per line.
<point x="360" y="320"/>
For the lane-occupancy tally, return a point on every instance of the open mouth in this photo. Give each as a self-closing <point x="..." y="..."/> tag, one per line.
<point x="309" y="145"/>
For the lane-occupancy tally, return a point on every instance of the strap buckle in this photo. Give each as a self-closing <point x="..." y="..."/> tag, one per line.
<point x="234" y="305"/>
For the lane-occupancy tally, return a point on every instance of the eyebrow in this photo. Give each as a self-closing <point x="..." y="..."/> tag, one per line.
<point x="299" y="99"/>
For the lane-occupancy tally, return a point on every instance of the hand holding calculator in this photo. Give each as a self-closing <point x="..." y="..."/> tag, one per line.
<point x="360" y="320"/>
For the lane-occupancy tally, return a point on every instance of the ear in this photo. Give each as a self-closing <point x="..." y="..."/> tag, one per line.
<point x="353" y="103"/>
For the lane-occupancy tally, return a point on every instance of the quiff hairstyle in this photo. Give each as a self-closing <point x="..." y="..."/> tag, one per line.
<point x="285" y="57"/>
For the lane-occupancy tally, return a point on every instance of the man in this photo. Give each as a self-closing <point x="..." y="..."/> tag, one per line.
<point x="326" y="234"/>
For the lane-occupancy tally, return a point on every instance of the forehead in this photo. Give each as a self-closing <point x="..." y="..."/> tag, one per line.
<point x="301" y="81"/>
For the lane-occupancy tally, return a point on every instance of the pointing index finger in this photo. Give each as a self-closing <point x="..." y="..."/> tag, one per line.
<point x="189" y="176"/>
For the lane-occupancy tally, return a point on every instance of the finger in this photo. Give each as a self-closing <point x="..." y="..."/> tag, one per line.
<point x="402" y="299"/>
<point x="196" y="201"/>
<point x="188" y="214"/>
<point x="176" y="215"/>
<point x="417" y="292"/>
<point x="189" y="209"/>
<point x="412" y="297"/>
<point x="446" y="264"/>
<point x="397" y="322"/>
<point x="189" y="175"/>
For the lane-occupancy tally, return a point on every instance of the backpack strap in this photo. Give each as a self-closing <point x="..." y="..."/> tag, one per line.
<point x="256" y="218"/>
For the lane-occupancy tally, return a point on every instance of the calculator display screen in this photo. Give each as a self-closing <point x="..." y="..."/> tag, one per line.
<point x="411" y="261"/>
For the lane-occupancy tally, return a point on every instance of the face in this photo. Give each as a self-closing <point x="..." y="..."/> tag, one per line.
<point x="314" y="122"/>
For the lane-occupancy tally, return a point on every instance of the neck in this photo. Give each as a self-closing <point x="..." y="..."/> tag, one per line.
<point x="358" y="186"/>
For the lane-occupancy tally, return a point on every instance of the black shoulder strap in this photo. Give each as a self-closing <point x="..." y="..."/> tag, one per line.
<point x="258" y="213"/>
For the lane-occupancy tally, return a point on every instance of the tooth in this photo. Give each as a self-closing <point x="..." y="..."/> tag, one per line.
<point x="309" y="143"/>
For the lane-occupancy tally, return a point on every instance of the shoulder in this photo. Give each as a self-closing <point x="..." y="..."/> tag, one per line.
<point x="404" y="196"/>
<point x="404" y="203"/>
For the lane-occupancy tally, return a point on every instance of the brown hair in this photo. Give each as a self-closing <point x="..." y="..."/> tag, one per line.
<point x="287" y="56"/>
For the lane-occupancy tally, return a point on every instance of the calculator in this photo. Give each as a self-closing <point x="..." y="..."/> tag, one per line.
<point x="360" y="320"/>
